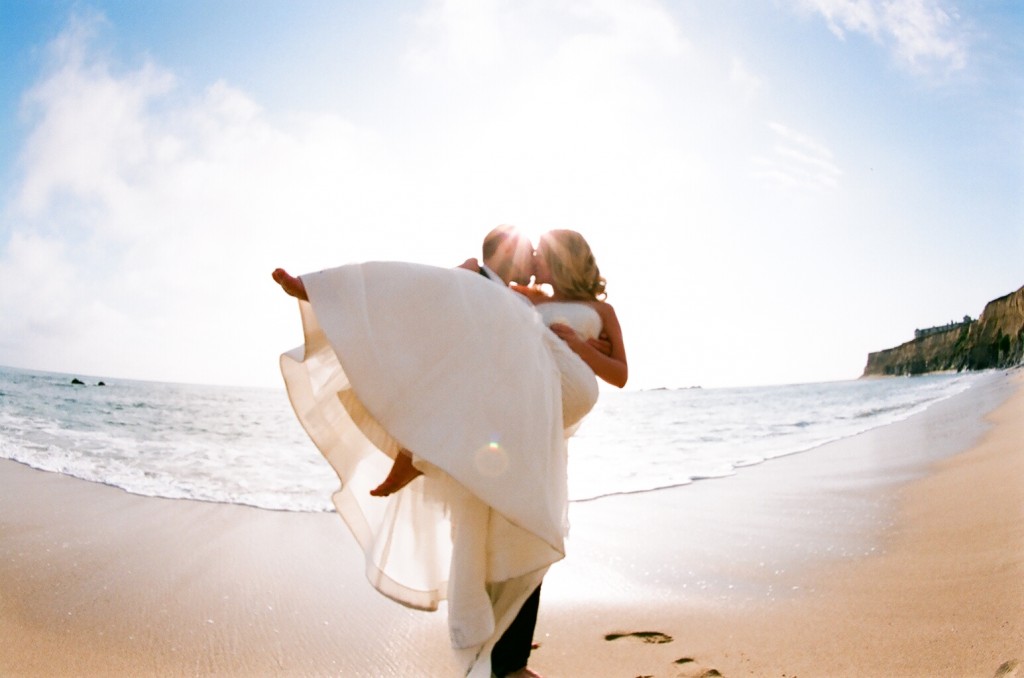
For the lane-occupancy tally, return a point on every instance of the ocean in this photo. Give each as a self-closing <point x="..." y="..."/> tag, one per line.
<point x="244" y="445"/>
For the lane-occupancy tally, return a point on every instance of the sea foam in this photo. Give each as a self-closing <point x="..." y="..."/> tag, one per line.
<point x="244" y="446"/>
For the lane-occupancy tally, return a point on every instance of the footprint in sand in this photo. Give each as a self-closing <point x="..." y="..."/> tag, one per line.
<point x="658" y="638"/>
<point x="1010" y="669"/>
<point x="693" y="670"/>
<point x="646" y="636"/>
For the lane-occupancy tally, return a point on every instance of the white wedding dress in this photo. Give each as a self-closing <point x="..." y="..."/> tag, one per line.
<point x="463" y="373"/>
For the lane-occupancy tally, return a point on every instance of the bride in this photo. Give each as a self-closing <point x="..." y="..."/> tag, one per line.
<point x="444" y="363"/>
<point x="576" y="313"/>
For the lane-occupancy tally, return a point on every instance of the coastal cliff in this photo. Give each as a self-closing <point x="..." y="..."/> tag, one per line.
<point x="996" y="339"/>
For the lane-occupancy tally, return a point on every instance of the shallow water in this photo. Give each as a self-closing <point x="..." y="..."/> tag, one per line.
<point x="244" y="446"/>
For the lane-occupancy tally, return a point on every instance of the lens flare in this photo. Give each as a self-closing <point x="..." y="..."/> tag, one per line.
<point x="491" y="460"/>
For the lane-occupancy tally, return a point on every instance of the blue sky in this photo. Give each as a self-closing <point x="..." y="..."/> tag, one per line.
<point x="772" y="189"/>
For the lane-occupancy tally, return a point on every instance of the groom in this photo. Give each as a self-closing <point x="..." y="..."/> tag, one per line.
<point x="508" y="258"/>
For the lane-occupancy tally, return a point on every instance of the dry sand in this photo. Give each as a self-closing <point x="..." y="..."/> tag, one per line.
<point x="899" y="552"/>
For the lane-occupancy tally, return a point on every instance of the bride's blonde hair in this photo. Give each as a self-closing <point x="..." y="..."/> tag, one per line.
<point x="574" y="272"/>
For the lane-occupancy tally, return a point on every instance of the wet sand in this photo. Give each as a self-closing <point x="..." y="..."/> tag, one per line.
<point x="899" y="552"/>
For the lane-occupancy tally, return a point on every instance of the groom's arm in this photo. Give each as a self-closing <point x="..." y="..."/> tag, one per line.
<point x="601" y="344"/>
<point x="611" y="368"/>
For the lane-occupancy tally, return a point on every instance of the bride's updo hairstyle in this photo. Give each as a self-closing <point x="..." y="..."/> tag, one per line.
<point x="574" y="271"/>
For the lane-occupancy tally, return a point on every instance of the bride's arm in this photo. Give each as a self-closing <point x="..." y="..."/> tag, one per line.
<point x="612" y="368"/>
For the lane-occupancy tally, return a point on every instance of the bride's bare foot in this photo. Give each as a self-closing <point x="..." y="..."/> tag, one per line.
<point x="290" y="284"/>
<point x="402" y="473"/>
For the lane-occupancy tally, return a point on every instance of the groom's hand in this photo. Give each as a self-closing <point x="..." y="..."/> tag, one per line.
<point x="601" y="344"/>
<point x="530" y="293"/>
<point x="566" y="334"/>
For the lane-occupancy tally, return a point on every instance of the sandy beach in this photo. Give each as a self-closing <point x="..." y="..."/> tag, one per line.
<point x="899" y="552"/>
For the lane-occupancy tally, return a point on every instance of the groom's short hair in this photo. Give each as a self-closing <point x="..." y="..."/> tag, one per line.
<point x="497" y="236"/>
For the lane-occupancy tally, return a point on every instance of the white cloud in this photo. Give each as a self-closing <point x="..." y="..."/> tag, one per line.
<point x="147" y="220"/>
<point x="489" y="38"/>
<point x="860" y="16"/>
<point x="90" y="121"/>
<point x="797" y="161"/>
<point x="923" y="34"/>
<point x="459" y="33"/>
<point x="747" y="84"/>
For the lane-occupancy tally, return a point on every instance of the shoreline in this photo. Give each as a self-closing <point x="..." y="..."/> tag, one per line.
<point x="827" y="563"/>
<point x="898" y="567"/>
<point x="174" y="480"/>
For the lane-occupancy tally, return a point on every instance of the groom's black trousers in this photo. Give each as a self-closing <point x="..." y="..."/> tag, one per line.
<point x="512" y="651"/>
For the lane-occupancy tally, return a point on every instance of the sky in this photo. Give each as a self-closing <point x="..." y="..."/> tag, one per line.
<point x="772" y="189"/>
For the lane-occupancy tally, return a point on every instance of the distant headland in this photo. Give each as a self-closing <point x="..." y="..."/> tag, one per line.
<point x="995" y="339"/>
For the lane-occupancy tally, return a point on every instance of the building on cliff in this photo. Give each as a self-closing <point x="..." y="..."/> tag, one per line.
<point x="951" y="325"/>
<point x="995" y="339"/>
